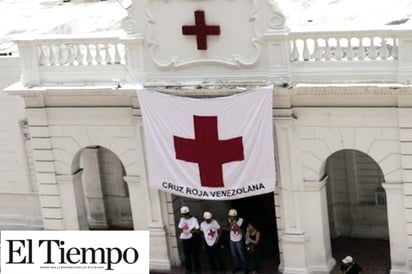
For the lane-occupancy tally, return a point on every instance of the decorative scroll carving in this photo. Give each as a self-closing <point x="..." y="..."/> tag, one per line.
<point x="129" y="25"/>
<point x="277" y="19"/>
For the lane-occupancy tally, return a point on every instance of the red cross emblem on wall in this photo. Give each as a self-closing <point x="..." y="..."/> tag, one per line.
<point x="201" y="30"/>
<point x="208" y="151"/>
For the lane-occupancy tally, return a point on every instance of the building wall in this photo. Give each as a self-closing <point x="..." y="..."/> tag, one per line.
<point x="19" y="202"/>
<point x="10" y="71"/>
<point x="306" y="138"/>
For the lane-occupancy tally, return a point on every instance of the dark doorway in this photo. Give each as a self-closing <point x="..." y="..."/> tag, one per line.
<point x="261" y="210"/>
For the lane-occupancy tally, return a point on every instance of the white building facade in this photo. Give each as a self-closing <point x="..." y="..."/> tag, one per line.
<point x="342" y="122"/>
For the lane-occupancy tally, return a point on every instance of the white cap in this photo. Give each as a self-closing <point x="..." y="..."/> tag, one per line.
<point x="207" y="215"/>
<point x="347" y="260"/>
<point x="184" y="210"/>
<point x="232" y="212"/>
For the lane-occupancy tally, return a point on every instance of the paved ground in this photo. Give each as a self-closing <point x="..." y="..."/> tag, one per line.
<point x="372" y="255"/>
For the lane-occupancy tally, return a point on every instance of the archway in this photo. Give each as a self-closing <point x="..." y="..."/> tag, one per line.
<point x="357" y="210"/>
<point x="103" y="191"/>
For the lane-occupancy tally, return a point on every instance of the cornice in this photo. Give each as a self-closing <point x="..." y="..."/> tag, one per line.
<point x="349" y="90"/>
<point x="298" y="96"/>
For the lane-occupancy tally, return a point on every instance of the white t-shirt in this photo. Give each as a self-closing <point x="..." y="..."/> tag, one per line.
<point x="210" y="231"/>
<point x="187" y="225"/>
<point x="235" y="232"/>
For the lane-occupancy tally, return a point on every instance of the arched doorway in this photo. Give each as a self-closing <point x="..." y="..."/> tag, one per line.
<point x="357" y="210"/>
<point x="104" y="192"/>
<point x="259" y="209"/>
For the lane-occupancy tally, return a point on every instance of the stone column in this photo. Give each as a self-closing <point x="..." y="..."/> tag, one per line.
<point x="159" y="255"/>
<point x="144" y="206"/>
<point x="93" y="189"/>
<point x="294" y="240"/>
<point x="139" y="202"/>
<point x="398" y="236"/>
<point x="72" y="201"/>
<point x="316" y="207"/>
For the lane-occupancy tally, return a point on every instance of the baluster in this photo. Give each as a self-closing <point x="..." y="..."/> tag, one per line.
<point x="306" y="54"/>
<point x="349" y="52"/>
<point x="42" y="56"/>
<point x="372" y="49"/>
<point x="384" y="53"/>
<point x="98" y="55"/>
<point x="125" y="55"/>
<point x="328" y="52"/>
<point x="317" y="54"/>
<point x="107" y="57"/>
<point x="295" y="51"/>
<point x="47" y="54"/>
<point x="53" y="57"/>
<point x="79" y="54"/>
<point x="395" y="49"/>
<point x="339" y="51"/>
<point x="89" y="56"/>
<point x="117" y="59"/>
<point x="61" y="54"/>
<point x="70" y="55"/>
<point x="361" y="50"/>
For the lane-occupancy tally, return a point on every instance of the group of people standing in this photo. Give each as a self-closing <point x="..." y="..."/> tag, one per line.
<point x="244" y="242"/>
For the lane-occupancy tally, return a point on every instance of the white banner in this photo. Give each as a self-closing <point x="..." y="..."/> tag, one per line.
<point x="64" y="252"/>
<point x="215" y="149"/>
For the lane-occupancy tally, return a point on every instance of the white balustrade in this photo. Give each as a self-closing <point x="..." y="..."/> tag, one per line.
<point x="79" y="52"/>
<point x="343" y="46"/>
<point x="368" y="56"/>
<point x="57" y="59"/>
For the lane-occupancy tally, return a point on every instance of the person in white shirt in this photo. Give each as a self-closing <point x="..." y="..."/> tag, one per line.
<point x="237" y="227"/>
<point x="189" y="234"/>
<point x="211" y="234"/>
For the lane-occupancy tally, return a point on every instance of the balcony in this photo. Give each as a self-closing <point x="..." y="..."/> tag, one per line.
<point x="361" y="56"/>
<point x="69" y="59"/>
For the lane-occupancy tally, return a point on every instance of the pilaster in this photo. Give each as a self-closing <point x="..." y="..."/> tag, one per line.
<point x="398" y="234"/>
<point x="51" y="204"/>
<point x="294" y="240"/>
<point x="403" y="190"/>
<point x="159" y="246"/>
<point x="138" y="200"/>
<point x="141" y="198"/>
<point x="72" y="201"/>
<point x="317" y="225"/>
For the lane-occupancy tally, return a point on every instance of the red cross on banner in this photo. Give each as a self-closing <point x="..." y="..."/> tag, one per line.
<point x="201" y="30"/>
<point x="208" y="151"/>
<point x="215" y="149"/>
